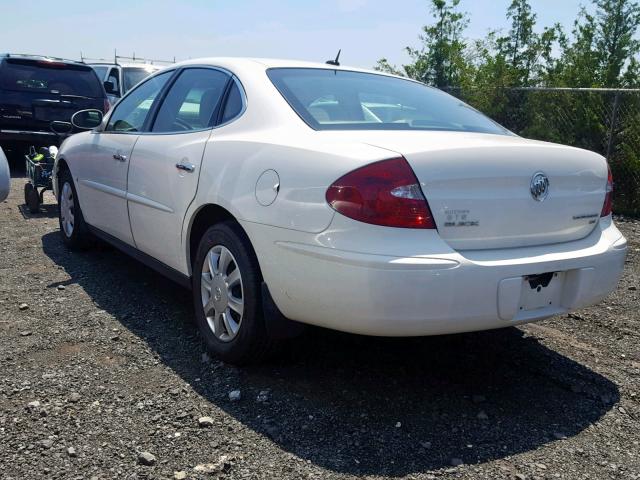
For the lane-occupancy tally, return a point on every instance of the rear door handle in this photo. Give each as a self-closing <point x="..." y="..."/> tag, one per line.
<point x="118" y="156"/>
<point x="187" y="167"/>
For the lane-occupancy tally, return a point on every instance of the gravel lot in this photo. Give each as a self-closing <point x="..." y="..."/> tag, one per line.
<point x="103" y="376"/>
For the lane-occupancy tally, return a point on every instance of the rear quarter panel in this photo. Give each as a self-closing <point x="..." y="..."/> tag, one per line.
<point x="234" y="163"/>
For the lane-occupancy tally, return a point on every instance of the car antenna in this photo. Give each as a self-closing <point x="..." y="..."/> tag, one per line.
<point x="335" y="62"/>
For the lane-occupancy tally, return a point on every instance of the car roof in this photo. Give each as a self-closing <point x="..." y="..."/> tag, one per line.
<point x="126" y="65"/>
<point x="266" y="63"/>
<point x="26" y="56"/>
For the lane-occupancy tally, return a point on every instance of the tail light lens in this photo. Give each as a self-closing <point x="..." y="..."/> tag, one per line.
<point x="106" y="106"/>
<point x="608" y="199"/>
<point x="383" y="193"/>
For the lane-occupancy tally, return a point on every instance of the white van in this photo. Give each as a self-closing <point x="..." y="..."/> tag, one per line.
<point x="119" y="78"/>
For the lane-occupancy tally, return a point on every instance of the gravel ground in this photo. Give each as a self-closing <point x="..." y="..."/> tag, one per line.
<point x="103" y="376"/>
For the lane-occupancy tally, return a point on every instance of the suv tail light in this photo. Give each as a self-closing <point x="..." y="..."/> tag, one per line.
<point x="384" y="193"/>
<point x="106" y="106"/>
<point x="608" y="199"/>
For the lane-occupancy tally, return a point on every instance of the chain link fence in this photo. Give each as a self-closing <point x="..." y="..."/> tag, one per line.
<point x="606" y="121"/>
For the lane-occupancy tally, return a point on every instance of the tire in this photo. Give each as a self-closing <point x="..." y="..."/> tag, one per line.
<point x="32" y="198"/>
<point x="74" y="230"/>
<point x="27" y="188"/>
<point x="251" y="343"/>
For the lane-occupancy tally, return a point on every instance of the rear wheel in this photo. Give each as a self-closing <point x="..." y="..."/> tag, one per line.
<point x="227" y="296"/>
<point x="75" y="233"/>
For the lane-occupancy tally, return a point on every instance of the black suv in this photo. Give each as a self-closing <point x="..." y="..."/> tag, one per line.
<point x="35" y="90"/>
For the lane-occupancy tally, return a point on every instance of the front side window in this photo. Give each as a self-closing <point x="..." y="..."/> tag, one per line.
<point x="130" y="114"/>
<point x="113" y="78"/>
<point x="134" y="75"/>
<point x="192" y="101"/>
<point x="342" y="100"/>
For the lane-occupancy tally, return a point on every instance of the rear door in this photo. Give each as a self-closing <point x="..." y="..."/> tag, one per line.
<point x="33" y="93"/>
<point x="165" y="165"/>
<point x="102" y="170"/>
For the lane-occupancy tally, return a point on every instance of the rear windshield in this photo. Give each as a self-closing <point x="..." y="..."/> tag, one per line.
<point x="342" y="100"/>
<point x="133" y="76"/>
<point x="50" y="77"/>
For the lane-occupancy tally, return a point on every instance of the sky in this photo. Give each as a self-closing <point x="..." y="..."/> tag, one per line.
<point x="365" y="30"/>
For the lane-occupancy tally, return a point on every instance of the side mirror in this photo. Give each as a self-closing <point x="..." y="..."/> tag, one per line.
<point x="61" y="128"/>
<point x="110" y="88"/>
<point x="87" y="119"/>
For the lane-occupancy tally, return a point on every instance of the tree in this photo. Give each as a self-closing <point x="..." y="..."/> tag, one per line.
<point x="617" y="24"/>
<point x="440" y="60"/>
<point x="580" y="59"/>
<point x="520" y="45"/>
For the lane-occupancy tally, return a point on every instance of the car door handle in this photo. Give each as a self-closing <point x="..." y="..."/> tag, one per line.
<point x="117" y="156"/>
<point x="187" y="167"/>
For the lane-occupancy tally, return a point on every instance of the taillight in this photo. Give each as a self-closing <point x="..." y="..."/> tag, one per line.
<point x="106" y="106"/>
<point x="383" y="193"/>
<point x="608" y="199"/>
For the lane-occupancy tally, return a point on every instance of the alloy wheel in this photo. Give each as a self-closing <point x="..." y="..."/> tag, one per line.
<point x="66" y="209"/>
<point x="222" y="293"/>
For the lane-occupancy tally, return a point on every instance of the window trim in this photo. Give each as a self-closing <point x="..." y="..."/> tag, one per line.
<point x="157" y="103"/>
<point x="214" y="115"/>
<point x="217" y="114"/>
<point x="313" y="124"/>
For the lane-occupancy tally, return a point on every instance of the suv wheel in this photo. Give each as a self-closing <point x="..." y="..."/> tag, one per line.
<point x="31" y="198"/>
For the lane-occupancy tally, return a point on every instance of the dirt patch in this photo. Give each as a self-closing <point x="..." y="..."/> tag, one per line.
<point x="104" y="376"/>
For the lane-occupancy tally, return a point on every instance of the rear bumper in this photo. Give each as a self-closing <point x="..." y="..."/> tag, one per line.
<point x="354" y="284"/>
<point x="30" y="137"/>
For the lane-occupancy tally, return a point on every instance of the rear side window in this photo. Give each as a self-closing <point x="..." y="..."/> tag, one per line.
<point x="50" y="77"/>
<point x="192" y="101"/>
<point x="342" y="100"/>
<point x="234" y="104"/>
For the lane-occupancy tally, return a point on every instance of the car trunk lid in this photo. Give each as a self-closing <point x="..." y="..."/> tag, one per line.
<point x="482" y="188"/>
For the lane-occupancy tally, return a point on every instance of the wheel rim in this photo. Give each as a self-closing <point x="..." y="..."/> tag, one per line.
<point x="222" y="293"/>
<point x="67" y="218"/>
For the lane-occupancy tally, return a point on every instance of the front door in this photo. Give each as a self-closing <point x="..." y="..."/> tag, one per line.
<point x="101" y="175"/>
<point x="165" y="166"/>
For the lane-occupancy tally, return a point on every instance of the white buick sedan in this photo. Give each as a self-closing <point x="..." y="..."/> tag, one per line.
<point x="287" y="193"/>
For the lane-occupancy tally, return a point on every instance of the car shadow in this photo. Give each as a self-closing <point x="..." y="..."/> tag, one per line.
<point x="47" y="210"/>
<point x="361" y="405"/>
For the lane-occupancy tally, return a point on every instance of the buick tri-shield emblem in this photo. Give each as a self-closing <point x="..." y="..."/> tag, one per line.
<point x="539" y="186"/>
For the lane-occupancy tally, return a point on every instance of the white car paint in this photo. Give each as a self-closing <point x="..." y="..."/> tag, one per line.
<point x="157" y="208"/>
<point x="5" y="177"/>
<point x="101" y="181"/>
<point x="325" y="269"/>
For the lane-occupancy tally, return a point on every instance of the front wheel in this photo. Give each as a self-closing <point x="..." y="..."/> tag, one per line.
<point x="227" y="296"/>
<point x="75" y="233"/>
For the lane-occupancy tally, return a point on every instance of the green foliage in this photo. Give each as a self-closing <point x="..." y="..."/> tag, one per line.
<point x="440" y="59"/>
<point x="617" y="23"/>
<point x="508" y="75"/>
